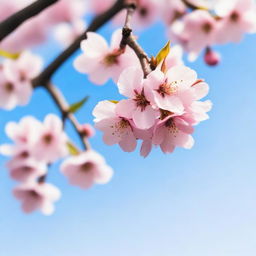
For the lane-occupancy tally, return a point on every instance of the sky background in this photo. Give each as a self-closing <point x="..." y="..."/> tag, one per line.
<point x="199" y="202"/>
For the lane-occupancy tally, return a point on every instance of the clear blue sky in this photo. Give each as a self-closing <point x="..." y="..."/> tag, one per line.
<point x="200" y="202"/>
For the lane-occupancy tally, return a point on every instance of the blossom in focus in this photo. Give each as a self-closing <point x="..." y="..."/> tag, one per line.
<point x="102" y="62"/>
<point x="137" y="107"/>
<point x="86" y="169"/>
<point x="37" y="196"/>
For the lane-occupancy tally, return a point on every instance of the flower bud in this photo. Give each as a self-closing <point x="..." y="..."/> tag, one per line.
<point x="211" y="57"/>
<point x="87" y="130"/>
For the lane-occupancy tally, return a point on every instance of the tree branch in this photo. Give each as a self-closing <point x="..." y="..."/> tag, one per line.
<point x="98" y="21"/>
<point x="129" y="39"/>
<point x="15" y="20"/>
<point x="63" y="106"/>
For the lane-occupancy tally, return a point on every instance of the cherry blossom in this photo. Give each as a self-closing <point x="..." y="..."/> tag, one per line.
<point x="87" y="130"/>
<point x="86" y="169"/>
<point x="237" y="17"/>
<point x="116" y="129"/>
<point x="37" y="196"/>
<point x="51" y="142"/>
<point x="170" y="91"/>
<point x="102" y="62"/>
<point x="138" y="107"/>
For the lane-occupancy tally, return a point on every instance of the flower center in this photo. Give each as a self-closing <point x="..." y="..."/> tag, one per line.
<point x="143" y="11"/>
<point x="170" y="124"/>
<point x="24" y="154"/>
<point x="34" y="194"/>
<point x="120" y="127"/>
<point x="9" y="87"/>
<point x="86" y="167"/>
<point x="234" y="16"/>
<point x="111" y="59"/>
<point x="48" y="138"/>
<point x="207" y="27"/>
<point x="164" y="113"/>
<point x="168" y="88"/>
<point x="141" y="100"/>
<point x="26" y="169"/>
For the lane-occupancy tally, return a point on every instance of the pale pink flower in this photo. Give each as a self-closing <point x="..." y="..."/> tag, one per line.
<point x="99" y="6"/>
<point x="25" y="132"/>
<point x="146" y="13"/>
<point x="172" y="10"/>
<point x="26" y="170"/>
<point x="66" y="33"/>
<point x="51" y="143"/>
<point x="15" y="80"/>
<point x="237" y="18"/>
<point x="196" y="31"/>
<point x="37" y="196"/>
<point x="66" y="11"/>
<point x="116" y="129"/>
<point x="173" y="131"/>
<point x="86" y="169"/>
<point x="102" y="62"/>
<point x="174" y="58"/>
<point x="173" y="90"/>
<point x="137" y="107"/>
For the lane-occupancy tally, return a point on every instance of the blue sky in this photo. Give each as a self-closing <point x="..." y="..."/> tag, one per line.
<point x="198" y="202"/>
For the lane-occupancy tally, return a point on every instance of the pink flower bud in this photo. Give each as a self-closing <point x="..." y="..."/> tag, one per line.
<point x="211" y="57"/>
<point x="87" y="130"/>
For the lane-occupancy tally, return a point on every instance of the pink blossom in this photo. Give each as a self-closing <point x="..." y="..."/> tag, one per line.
<point x="172" y="10"/>
<point x="195" y="31"/>
<point x="86" y="169"/>
<point x="66" y="33"/>
<point x="174" y="58"/>
<point x="99" y="6"/>
<point x="137" y="107"/>
<point x="116" y="129"/>
<point x="51" y="142"/>
<point x="37" y="196"/>
<point x="102" y="62"/>
<point x="237" y="18"/>
<point x="15" y="80"/>
<point x="26" y="170"/>
<point x="172" y="91"/>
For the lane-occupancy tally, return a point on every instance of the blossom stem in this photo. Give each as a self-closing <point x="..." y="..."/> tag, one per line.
<point x="129" y="39"/>
<point x="63" y="106"/>
<point x="15" y="20"/>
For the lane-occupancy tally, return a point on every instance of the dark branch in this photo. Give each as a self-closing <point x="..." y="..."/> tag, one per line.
<point x="98" y="22"/>
<point x="129" y="39"/>
<point x="63" y="106"/>
<point x="15" y="20"/>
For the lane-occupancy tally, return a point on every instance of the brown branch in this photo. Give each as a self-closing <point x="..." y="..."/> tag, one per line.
<point x="15" y="20"/>
<point x="98" y="22"/>
<point x="129" y="39"/>
<point x="63" y="106"/>
<point x="193" y="6"/>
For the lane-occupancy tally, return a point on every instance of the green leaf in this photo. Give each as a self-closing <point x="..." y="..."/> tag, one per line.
<point x="9" y="55"/>
<point x="72" y="149"/>
<point x="163" y="53"/>
<point x="76" y="106"/>
<point x="114" y="101"/>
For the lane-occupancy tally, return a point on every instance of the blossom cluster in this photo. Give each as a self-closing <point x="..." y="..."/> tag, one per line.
<point x="15" y="79"/>
<point x="38" y="145"/>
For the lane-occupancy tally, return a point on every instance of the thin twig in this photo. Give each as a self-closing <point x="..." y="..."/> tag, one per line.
<point x="63" y="106"/>
<point x="15" y="20"/>
<point x="129" y="39"/>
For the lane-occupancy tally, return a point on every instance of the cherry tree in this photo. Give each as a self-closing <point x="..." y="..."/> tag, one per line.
<point x="163" y="100"/>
